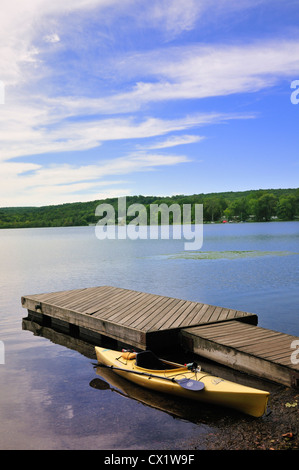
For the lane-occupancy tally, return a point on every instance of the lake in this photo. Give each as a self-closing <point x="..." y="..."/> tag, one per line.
<point x="51" y="395"/>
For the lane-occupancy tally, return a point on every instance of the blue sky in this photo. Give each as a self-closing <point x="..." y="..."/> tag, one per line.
<point x="107" y="98"/>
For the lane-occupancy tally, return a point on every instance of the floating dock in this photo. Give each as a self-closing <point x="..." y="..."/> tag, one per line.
<point x="137" y="318"/>
<point x="149" y="321"/>
<point x="247" y="348"/>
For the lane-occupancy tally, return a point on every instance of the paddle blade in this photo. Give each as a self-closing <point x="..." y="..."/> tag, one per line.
<point x="99" y="384"/>
<point x="193" y="385"/>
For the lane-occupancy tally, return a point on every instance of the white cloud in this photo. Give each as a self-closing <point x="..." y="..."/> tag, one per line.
<point x="52" y="38"/>
<point x="175" y="16"/>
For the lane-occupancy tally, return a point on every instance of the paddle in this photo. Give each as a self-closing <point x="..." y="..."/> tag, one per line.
<point x="188" y="384"/>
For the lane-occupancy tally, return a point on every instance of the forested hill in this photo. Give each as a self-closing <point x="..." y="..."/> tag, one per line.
<point x="255" y="205"/>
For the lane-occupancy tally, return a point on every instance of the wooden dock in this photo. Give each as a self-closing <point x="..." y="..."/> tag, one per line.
<point x="247" y="348"/>
<point x="149" y="321"/>
<point x="137" y="318"/>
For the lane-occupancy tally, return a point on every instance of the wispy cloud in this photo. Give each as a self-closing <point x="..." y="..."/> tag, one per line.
<point x="174" y="141"/>
<point x="31" y="130"/>
<point x="194" y="72"/>
<point x="35" y="183"/>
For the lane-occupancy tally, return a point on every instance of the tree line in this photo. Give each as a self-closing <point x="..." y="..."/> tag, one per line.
<point x="254" y="205"/>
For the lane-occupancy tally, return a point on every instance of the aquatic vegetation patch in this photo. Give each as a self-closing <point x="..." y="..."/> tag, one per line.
<point x="210" y="255"/>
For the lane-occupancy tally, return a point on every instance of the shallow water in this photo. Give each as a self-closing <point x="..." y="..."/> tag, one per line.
<point x="51" y="397"/>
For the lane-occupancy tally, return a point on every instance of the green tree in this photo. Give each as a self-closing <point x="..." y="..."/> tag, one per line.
<point x="296" y="201"/>
<point x="265" y="207"/>
<point x="286" y="208"/>
<point x="213" y="208"/>
<point x="238" y="208"/>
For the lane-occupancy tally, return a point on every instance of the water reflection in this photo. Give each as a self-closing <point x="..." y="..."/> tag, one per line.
<point x="176" y="407"/>
<point x="107" y="382"/>
<point x="45" y="397"/>
<point x="58" y="337"/>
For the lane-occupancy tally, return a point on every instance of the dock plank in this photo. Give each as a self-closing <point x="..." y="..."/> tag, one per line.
<point x="169" y="321"/>
<point x="118" y="304"/>
<point x="146" y="312"/>
<point x="111" y="300"/>
<point x="138" y="315"/>
<point x="86" y="301"/>
<point x="148" y="321"/>
<point x="130" y="309"/>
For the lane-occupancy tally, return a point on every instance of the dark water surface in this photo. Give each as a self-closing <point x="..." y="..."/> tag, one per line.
<point x="51" y="396"/>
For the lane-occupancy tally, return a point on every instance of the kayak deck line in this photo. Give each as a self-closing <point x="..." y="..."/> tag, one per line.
<point x="188" y="383"/>
<point x="149" y="321"/>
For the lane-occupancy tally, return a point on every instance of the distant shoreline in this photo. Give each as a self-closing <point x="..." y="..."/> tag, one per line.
<point x="263" y="205"/>
<point x="160" y="225"/>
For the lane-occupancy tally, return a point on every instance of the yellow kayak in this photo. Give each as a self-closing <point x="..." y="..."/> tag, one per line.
<point x="188" y="381"/>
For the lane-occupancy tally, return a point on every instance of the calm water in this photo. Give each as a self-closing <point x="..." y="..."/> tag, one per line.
<point x="50" y="394"/>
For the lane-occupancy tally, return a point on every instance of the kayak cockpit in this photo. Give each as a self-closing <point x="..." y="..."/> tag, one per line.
<point x="148" y="360"/>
